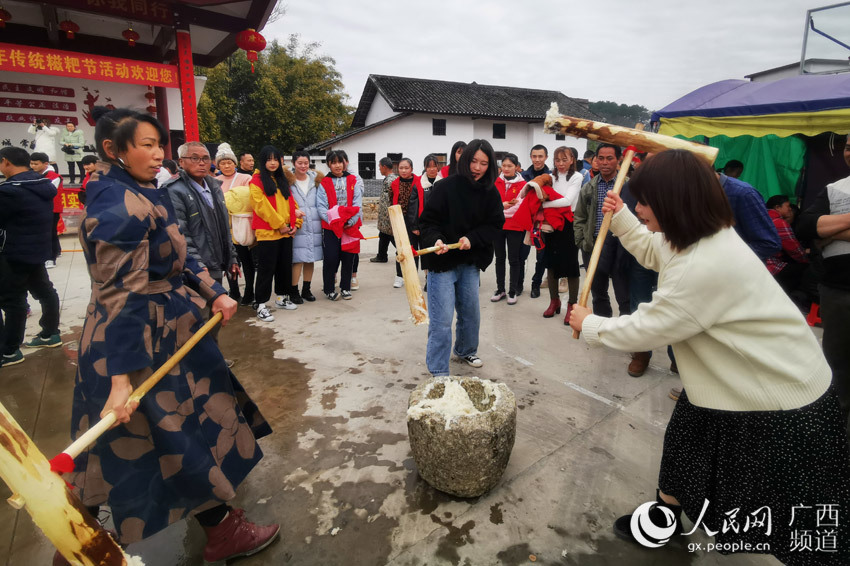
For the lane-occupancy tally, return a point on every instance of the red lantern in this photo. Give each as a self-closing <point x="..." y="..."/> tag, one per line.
<point x="150" y="95"/>
<point x="251" y="41"/>
<point x="151" y="109"/>
<point x="131" y="36"/>
<point x="70" y="28"/>
<point x="4" y="17"/>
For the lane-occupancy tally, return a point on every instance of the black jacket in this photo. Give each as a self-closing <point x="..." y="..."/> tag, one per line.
<point x="26" y="218"/>
<point x="207" y="230"/>
<point x="529" y="174"/>
<point x="457" y="207"/>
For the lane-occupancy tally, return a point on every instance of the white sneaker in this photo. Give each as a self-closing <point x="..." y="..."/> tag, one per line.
<point x="472" y="360"/>
<point x="354" y="284"/>
<point x="399" y="282"/>
<point x="283" y="302"/>
<point x="49" y="264"/>
<point x="264" y="314"/>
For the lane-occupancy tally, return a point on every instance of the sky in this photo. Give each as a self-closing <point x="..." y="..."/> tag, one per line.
<point x="650" y="52"/>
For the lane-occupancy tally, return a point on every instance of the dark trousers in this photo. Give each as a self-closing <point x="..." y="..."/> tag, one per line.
<point x="332" y="250"/>
<point x="274" y="259"/>
<point x="57" y="247"/>
<point x="642" y="283"/>
<point x="72" y="170"/>
<point x="790" y="279"/>
<point x="508" y="247"/>
<point x="384" y="241"/>
<point x="539" y="268"/>
<point x="249" y="269"/>
<point x="16" y="279"/>
<point x="835" y="317"/>
<point x="599" y="290"/>
<point x="414" y="241"/>
<point x="524" y="252"/>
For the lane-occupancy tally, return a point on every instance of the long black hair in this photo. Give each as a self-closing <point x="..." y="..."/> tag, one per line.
<point x="452" y="159"/>
<point x="469" y="152"/>
<point x="272" y="181"/>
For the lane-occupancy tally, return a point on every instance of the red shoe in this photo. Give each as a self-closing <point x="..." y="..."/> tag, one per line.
<point x="554" y="308"/>
<point x="567" y="316"/>
<point x="234" y="537"/>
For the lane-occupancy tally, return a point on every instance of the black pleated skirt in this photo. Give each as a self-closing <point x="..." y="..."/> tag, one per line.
<point x="561" y="252"/>
<point x="795" y="463"/>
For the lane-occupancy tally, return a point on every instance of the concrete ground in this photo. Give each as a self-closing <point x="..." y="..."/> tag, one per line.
<point x="333" y="379"/>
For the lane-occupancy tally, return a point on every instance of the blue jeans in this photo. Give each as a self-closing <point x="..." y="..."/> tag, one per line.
<point x="448" y="291"/>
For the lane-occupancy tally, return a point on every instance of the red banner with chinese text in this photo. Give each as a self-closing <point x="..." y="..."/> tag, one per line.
<point x="23" y="59"/>
<point x="34" y="104"/>
<point x="30" y="118"/>
<point x="22" y="88"/>
<point x="71" y="199"/>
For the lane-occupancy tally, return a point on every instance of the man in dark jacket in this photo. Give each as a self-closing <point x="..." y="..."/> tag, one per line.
<point x="26" y="222"/>
<point x="827" y="220"/>
<point x="200" y="209"/>
<point x="201" y="212"/>
<point x="538" y="157"/>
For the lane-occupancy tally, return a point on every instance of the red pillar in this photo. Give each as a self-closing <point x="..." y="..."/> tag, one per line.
<point x="162" y="115"/>
<point x="186" y="77"/>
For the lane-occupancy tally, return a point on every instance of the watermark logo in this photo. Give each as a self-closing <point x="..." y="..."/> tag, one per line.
<point x="644" y="529"/>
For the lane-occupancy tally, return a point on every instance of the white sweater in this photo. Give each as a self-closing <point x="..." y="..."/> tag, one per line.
<point x="740" y="343"/>
<point x="569" y="190"/>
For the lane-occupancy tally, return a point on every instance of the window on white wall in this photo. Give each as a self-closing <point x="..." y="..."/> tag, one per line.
<point x="560" y="137"/>
<point x="438" y="127"/>
<point x="366" y="165"/>
<point x="499" y="131"/>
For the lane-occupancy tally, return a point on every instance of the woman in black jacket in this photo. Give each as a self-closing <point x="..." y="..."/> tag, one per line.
<point x="464" y="208"/>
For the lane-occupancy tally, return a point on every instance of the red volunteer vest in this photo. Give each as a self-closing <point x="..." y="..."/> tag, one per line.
<point x="328" y="184"/>
<point x="417" y="183"/>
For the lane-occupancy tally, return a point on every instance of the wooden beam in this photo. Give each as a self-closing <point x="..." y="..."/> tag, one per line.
<point x="211" y="20"/>
<point x="53" y="508"/>
<point x="259" y="12"/>
<point x="163" y="41"/>
<point x="418" y="308"/>
<point x="51" y="23"/>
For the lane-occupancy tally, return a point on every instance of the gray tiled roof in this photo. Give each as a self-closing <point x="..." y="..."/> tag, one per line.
<point x="465" y="99"/>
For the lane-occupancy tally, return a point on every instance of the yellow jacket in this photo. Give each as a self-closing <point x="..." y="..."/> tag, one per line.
<point x="267" y="214"/>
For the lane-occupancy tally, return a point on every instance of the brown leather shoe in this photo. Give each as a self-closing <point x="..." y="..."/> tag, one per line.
<point x="639" y="363"/>
<point x="234" y="537"/>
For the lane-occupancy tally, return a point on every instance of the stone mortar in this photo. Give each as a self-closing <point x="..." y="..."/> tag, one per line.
<point x="468" y="458"/>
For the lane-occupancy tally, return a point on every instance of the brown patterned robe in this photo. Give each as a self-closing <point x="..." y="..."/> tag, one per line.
<point x="192" y="440"/>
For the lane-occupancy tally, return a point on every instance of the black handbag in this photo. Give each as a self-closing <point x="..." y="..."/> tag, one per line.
<point x="67" y="149"/>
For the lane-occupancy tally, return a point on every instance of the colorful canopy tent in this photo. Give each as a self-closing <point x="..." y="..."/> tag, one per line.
<point x="766" y="125"/>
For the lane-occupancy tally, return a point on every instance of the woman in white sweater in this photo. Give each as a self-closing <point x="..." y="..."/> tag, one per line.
<point x="758" y="424"/>
<point x="563" y="259"/>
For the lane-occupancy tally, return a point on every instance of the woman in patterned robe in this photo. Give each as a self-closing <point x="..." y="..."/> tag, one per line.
<point x="192" y="439"/>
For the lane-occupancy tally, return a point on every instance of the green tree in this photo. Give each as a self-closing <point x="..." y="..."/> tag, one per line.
<point x="294" y="98"/>
<point x="621" y="114"/>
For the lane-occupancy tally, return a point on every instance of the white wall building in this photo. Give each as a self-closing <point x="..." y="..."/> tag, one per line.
<point x="405" y="117"/>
